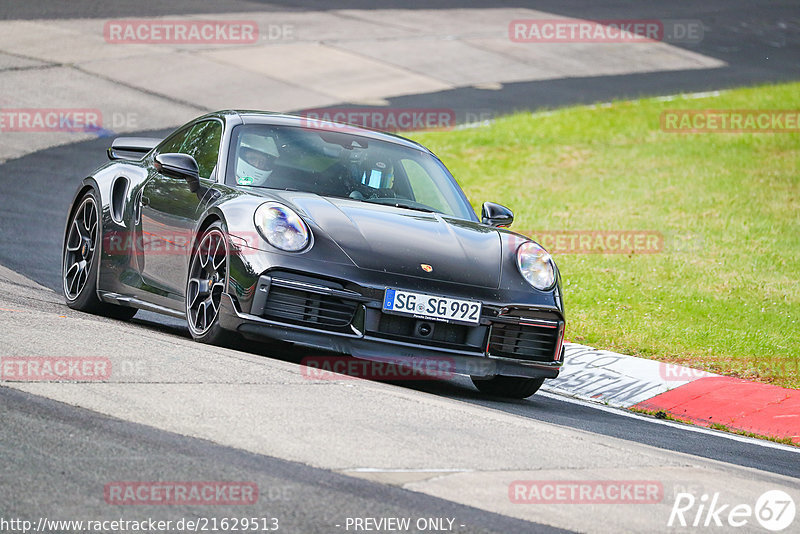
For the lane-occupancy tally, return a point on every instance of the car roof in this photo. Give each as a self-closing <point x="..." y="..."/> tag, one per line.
<point x="287" y="119"/>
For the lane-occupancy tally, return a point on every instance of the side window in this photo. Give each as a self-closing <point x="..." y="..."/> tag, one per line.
<point x="201" y="142"/>
<point x="174" y="143"/>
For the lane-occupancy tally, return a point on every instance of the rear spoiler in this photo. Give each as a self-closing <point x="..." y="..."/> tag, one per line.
<point x="136" y="147"/>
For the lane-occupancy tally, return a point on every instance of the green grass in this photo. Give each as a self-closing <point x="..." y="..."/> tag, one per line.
<point x="724" y="295"/>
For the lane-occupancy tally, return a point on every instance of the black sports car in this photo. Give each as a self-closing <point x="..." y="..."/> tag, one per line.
<point x="274" y="226"/>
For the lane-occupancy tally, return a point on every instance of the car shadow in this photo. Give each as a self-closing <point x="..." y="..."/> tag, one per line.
<point x="321" y="365"/>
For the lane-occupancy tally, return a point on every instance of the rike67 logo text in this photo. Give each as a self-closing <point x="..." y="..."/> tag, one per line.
<point x="774" y="510"/>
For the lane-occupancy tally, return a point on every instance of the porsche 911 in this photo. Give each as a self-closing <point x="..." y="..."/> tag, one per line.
<point x="278" y="227"/>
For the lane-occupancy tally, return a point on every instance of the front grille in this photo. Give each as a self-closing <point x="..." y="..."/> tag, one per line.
<point x="309" y="308"/>
<point x="523" y="342"/>
<point x="399" y="326"/>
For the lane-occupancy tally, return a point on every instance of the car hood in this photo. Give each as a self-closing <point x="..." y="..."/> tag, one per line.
<point x="400" y="241"/>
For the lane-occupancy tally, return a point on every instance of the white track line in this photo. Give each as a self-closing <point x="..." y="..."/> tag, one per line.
<point x="600" y="105"/>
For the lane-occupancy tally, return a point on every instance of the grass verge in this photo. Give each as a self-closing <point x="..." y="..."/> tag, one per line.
<point x="715" y="426"/>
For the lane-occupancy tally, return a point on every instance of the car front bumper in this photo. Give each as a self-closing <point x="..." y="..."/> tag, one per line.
<point x="518" y="341"/>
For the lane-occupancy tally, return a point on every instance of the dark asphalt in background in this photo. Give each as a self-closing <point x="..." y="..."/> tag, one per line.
<point x="69" y="453"/>
<point x="759" y="40"/>
<point x="57" y="460"/>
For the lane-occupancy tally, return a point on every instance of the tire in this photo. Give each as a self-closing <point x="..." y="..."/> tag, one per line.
<point x="81" y="260"/>
<point x="510" y="387"/>
<point x="207" y="280"/>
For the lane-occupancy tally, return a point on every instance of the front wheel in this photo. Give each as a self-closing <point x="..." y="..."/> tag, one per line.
<point x="511" y="387"/>
<point x="207" y="280"/>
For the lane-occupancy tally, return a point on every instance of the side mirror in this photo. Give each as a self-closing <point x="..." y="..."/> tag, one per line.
<point x="496" y="215"/>
<point x="181" y="166"/>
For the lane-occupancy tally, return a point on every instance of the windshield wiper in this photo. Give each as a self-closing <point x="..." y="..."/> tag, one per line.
<point x="401" y="203"/>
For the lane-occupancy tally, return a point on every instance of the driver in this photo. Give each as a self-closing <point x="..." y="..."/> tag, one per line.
<point x="254" y="159"/>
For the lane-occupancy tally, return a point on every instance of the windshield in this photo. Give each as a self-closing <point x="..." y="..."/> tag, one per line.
<point x="343" y="165"/>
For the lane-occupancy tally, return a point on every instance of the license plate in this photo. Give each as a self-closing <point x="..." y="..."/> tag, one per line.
<point x="431" y="307"/>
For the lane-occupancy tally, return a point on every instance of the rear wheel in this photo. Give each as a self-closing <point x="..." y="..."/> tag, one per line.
<point x="207" y="280"/>
<point x="81" y="261"/>
<point x="511" y="387"/>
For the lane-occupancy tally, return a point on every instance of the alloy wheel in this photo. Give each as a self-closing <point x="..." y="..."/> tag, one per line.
<point x="80" y="248"/>
<point x="207" y="279"/>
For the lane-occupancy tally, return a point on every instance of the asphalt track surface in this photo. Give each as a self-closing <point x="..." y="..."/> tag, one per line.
<point x="304" y="499"/>
<point x="62" y="443"/>
<point x="760" y="41"/>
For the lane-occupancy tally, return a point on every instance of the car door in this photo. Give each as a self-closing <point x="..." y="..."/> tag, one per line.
<point x="169" y="212"/>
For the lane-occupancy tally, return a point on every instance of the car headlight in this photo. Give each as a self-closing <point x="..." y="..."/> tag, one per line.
<point x="536" y="266"/>
<point x="281" y="227"/>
